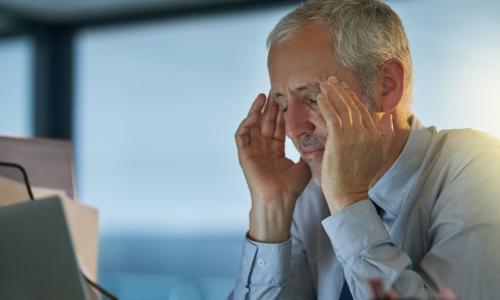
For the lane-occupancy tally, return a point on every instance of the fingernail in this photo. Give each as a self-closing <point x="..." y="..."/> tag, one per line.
<point x="320" y="97"/>
<point x="333" y="80"/>
<point x="344" y="85"/>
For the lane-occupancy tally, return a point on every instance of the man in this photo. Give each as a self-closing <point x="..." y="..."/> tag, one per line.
<point x="375" y="194"/>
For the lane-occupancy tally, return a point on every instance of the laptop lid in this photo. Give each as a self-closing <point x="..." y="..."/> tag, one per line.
<point x="37" y="258"/>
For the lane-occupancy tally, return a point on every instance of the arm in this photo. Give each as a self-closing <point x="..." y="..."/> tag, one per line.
<point x="263" y="271"/>
<point x="275" y="183"/>
<point x="274" y="271"/>
<point x="364" y="249"/>
<point x="463" y="254"/>
<point x="465" y="224"/>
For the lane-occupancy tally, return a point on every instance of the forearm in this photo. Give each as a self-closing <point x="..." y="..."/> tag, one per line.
<point x="363" y="247"/>
<point x="270" y="223"/>
<point x="393" y="267"/>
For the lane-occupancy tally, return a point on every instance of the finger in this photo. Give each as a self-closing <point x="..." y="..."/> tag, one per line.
<point x="367" y="118"/>
<point x="280" y="131"/>
<point x="349" y="95"/>
<point x="376" y="288"/>
<point x="332" y="118"/>
<point x="255" y="135"/>
<point x="392" y="295"/>
<point x="248" y="132"/>
<point x="330" y="89"/>
<point x="268" y="122"/>
<point x="255" y="112"/>
<point x="445" y="294"/>
<point x="242" y="135"/>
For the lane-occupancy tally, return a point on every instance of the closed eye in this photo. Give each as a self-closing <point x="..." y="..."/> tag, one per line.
<point x="312" y="98"/>
<point x="282" y="104"/>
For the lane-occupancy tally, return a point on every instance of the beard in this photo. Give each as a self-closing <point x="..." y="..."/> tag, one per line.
<point x="316" y="142"/>
<point x="315" y="167"/>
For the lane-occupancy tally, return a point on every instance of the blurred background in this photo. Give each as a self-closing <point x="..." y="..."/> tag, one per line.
<point x="151" y="92"/>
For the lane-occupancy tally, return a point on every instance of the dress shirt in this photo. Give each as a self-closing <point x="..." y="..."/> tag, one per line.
<point x="432" y="220"/>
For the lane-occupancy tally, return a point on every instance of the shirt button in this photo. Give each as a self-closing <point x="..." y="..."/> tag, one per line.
<point x="261" y="262"/>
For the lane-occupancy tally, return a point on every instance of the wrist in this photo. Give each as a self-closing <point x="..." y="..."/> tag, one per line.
<point x="339" y="202"/>
<point x="268" y="238"/>
<point x="268" y="226"/>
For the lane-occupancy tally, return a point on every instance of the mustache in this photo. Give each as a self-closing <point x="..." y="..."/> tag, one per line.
<point x="309" y="140"/>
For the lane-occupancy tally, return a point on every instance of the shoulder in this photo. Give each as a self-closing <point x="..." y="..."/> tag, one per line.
<point x="464" y="152"/>
<point x="466" y="141"/>
<point x="468" y="164"/>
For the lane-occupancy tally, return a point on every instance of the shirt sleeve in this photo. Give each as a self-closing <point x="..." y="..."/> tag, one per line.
<point x="263" y="270"/>
<point x="274" y="271"/>
<point x="363" y="247"/>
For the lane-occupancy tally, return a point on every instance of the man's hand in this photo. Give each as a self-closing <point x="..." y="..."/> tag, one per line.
<point x="355" y="147"/>
<point x="379" y="293"/>
<point x="274" y="181"/>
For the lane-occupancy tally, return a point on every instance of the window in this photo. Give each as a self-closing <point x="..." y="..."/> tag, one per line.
<point x="15" y="86"/>
<point x="156" y="109"/>
<point x="455" y="46"/>
<point x="157" y="106"/>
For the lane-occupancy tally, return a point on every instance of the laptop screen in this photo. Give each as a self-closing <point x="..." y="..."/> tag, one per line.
<point x="48" y="162"/>
<point x="38" y="260"/>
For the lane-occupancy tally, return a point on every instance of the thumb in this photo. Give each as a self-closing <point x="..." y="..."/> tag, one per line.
<point x="303" y="169"/>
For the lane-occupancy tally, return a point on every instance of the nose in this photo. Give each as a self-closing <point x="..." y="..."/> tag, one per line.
<point x="297" y="120"/>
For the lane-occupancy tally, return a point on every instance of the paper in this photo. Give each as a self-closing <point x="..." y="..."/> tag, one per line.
<point x="83" y="220"/>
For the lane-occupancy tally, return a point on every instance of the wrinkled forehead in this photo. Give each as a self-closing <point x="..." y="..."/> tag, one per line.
<point x="305" y="57"/>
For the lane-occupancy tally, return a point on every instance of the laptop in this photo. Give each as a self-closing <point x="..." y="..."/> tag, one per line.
<point x="48" y="162"/>
<point x="37" y="259"/>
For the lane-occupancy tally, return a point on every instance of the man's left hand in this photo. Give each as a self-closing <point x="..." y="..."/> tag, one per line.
<point x="355" y="147"/>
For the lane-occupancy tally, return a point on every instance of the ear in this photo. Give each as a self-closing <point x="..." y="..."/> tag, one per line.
<point x="391" y="85"/>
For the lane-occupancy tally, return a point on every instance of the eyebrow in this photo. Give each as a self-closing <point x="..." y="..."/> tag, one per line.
<point x="310" y="86"/>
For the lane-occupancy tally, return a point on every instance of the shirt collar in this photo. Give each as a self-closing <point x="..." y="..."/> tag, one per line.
<point x="393" y="188"/>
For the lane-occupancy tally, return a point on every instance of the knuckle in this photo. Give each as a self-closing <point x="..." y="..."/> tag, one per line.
<point x="362" y="139"/>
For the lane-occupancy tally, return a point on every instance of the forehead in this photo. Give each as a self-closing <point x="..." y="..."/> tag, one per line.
<point x="304" y="57"/>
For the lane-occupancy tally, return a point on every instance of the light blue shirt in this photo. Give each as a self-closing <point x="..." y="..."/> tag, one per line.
<point x="438" y="225"/>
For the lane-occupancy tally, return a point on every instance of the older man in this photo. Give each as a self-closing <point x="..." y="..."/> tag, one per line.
<point x="388" y="198"/>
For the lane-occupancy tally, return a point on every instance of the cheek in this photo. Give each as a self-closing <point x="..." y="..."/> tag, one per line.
<point x="319" y="123"/>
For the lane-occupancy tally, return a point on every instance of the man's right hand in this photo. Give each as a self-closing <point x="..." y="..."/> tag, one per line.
<point x="275" y="182"/>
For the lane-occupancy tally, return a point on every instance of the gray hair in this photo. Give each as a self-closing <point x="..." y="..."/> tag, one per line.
<point x="365" y="34"/>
